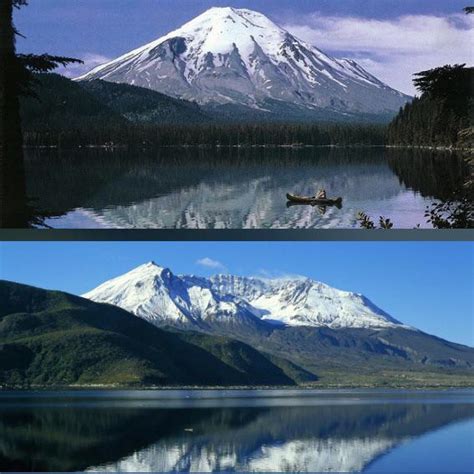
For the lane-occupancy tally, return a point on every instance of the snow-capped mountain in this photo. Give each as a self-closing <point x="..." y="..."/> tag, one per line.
<point x="240" y="57"/>
<point x="154" y="293"/>
<point x="312" y="323"/>
<point x="304" y="302"/>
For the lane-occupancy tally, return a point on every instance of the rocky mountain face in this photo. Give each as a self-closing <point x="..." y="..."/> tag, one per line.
<point x="239" y="58"/>
<point x="314" y="324"/>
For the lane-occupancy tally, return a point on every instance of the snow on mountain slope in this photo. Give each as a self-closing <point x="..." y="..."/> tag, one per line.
<point x="162" y="298"/>
<point x="304" y="302"/>
<point x="305" y="455"/>
<point x="238" y="56"/>
<point x="155" y="294"/>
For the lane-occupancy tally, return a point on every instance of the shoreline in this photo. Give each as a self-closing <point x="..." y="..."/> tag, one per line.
<point x="302" y="389"/>
<point x="247" y="147"/>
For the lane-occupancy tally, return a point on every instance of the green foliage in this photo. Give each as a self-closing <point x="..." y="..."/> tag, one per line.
<point x="241" y="356"/>
<point x="50" y="338"/>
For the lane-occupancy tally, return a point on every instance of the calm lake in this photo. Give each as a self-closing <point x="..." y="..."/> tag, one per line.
<point x="203" y="431"/>
<point x="237" y="188"/>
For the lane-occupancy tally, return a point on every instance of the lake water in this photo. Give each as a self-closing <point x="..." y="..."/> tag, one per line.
<point x="235" y="189"/>
<point x="267" y="431"/>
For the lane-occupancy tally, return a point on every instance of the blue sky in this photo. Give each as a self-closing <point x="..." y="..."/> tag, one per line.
<point x="427" y="285"/>
<point x="391" y="38"/>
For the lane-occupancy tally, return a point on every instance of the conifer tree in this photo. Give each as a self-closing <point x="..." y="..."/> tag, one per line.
<point x="16" y="79"/>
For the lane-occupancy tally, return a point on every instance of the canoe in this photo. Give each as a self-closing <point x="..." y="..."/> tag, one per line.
<point x="313" y="201"/>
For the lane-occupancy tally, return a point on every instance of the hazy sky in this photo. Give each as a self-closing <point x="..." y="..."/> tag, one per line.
<point x="391" y="38"/>
<point x="426" y="285"/>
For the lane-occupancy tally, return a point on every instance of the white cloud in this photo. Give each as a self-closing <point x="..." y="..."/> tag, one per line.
<point x="265" y="274"/>
<point x="210" y="263"/>
<point x="392" y="49"/>
<point x="91" y="60"/>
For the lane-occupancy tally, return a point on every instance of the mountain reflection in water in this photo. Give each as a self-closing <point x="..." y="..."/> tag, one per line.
<point x="341" y="433"/>
<point x="233" y="189"/>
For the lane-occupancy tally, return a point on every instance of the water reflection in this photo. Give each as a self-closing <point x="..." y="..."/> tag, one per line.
<point x="63" y="436"/>
<point x="15" y="212"/>
<point x="236" y="189"/>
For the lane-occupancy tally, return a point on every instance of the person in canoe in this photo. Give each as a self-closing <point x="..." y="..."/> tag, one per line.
<point x="321" y="194"/>
<point x="320" y="199"/>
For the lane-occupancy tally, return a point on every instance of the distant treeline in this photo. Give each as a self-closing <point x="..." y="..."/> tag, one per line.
<point x="212" y="135"/>
<point x="443" y="113"/>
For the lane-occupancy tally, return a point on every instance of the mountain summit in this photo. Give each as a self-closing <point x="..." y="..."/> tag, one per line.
<point x="157" y="295"/>
<point x="238" y="57"/>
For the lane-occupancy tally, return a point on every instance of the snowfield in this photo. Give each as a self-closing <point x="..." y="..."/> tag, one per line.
<point x="155" y="294"/>
<point x="241" y="57"/>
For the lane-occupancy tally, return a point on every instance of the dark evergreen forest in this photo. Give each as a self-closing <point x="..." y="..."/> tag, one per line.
<point x="209" y="135"/>
<point x="442" y="115"/>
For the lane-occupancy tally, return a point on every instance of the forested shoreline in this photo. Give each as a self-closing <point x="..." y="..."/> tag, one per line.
<point x="236" y="136"/>
<point x="210" y="135"/>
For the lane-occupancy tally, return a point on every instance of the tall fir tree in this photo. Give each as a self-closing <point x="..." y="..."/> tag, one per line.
<point x="12" y="181"/>
<point x="16" y="79"/>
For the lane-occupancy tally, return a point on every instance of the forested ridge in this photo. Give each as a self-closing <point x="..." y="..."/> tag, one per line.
<point x="69" y="114"/>
<point x="105" y="345"/>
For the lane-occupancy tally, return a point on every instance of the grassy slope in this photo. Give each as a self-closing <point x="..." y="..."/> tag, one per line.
<point x="237" y="354"/>
<point x="51" y="338"/>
